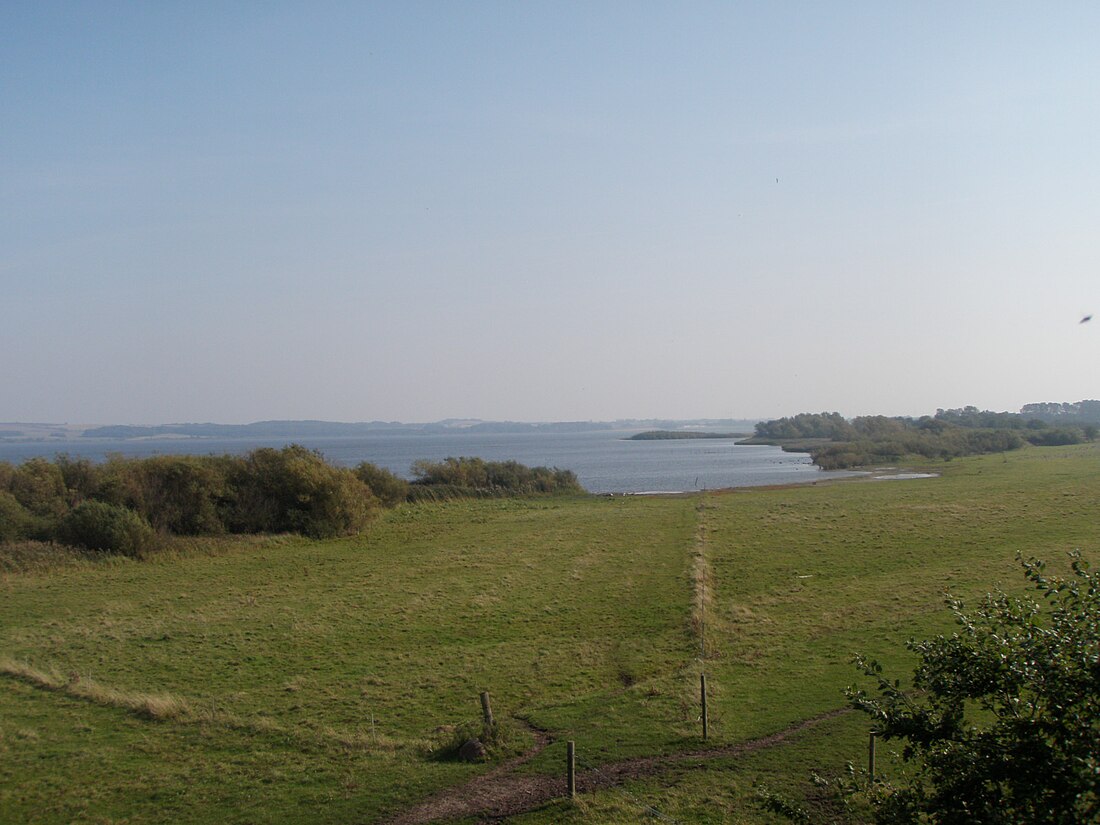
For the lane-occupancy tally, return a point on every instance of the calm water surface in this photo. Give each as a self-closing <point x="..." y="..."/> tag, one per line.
<point x="604" y="461"/>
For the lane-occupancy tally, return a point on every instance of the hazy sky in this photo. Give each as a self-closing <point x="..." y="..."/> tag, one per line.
<point x="232" y="211"/>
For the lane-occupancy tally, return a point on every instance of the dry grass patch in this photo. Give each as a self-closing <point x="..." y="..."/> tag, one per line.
<point x="163" y="707"/>
<point x="145" y="705"/>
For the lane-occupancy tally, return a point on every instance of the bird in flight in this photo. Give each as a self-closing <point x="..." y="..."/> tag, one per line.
<point x="1085" y="319"/>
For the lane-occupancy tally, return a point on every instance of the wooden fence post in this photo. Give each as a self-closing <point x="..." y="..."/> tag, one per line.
<point x="486" y="710"/>
<point x="571" y="768"/>
<point x="703" y="699"/>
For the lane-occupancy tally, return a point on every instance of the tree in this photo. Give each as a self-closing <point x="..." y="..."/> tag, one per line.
<point x="1003" y="722"/>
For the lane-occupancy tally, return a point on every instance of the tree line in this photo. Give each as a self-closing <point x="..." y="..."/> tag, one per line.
<point x="1079" y="412"/>
<point x="948" y="434"/>
<point x="125" y="505"/>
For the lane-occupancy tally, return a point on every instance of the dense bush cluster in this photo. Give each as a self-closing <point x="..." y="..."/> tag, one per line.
<point x="122" y="504"/>
<point x="945" y="444"/>
<point x="949" y="434"/>
<point x="469" y="477"/>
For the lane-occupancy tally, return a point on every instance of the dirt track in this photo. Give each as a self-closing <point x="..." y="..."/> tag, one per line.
<point x="500" y="793"/>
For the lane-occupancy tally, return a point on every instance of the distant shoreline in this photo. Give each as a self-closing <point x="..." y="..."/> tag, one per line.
<point x="680" y="435"/>
<point x="23" y="431"/>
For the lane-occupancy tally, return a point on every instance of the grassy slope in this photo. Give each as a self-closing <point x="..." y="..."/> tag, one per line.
<point x="575" y="613"/>
<point x="282" y="653"/>
<point x="878" y="557"/>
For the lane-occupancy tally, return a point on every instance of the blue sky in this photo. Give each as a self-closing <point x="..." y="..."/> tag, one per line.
<point x="545" y="211"/>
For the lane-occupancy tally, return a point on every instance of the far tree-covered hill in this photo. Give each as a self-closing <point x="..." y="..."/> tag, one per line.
<point x="1081" y="412"/>
<point x="835" y="442"/>
<point x="678" y="435"/>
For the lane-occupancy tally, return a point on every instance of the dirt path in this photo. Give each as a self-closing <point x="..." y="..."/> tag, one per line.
<point x="500" y="793"/>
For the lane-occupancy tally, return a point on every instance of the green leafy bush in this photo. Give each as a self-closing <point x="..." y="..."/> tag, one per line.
<point x="97" y="525"/>
<point x="1003" y="724"/>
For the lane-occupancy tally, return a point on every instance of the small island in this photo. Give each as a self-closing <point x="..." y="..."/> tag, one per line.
<point x="672" y="435"/>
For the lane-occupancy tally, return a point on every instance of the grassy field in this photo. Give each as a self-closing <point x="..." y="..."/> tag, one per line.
<point x="287" y="680"/>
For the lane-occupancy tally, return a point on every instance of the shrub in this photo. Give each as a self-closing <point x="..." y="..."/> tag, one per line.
<point x="39" y="486"/>
<point x="497" y="478"/>
<point x="97" y="525"/>
<point x="183" y="494"/>
<point x="81" y="477"/>
<point x="15" y="521"/>
<point x="119" y="483"/>
<point x="503" y="739"/>
<point x="388" y="488"/>
<point x="1055" y="437"/>
<point x="295" y="490"/>
<point x="1006" y="725"/>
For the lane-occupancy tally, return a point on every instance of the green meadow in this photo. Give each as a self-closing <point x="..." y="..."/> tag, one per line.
<point x="282" y="679"/>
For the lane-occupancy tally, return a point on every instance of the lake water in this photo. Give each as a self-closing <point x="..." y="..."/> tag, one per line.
<point x="604" y="461"/>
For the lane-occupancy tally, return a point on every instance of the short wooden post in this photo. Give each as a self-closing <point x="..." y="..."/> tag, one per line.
<point x="571" y="768"/>
<point x="486" y="709"/>
<point x="871" y="758"/>
<point x="703" y="700"/>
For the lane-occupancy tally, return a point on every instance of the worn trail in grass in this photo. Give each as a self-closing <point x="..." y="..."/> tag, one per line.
<point x="801" y="579"/>
<point x="503" y="793"/>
